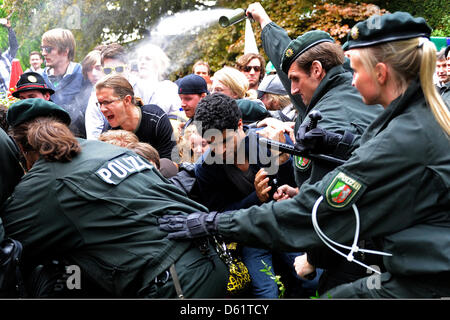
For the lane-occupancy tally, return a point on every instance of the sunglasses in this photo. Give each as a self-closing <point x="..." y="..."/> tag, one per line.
<point x="249" y="68"/>
<point x="46" y="49"/>
<point x="118" y="69"/>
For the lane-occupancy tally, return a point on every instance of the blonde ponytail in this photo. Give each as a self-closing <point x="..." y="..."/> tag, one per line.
<point x="433" y="98"/>
<point x="408" y="59"/>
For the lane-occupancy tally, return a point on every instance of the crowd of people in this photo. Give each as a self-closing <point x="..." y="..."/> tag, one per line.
<point x="142" y="182"/>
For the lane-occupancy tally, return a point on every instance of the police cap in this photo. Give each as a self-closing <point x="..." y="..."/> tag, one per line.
<point x="301" y="44"/>
<point x="31" y="81"/>
<point x="386" y="28"/>
<point x="28" y="109"/>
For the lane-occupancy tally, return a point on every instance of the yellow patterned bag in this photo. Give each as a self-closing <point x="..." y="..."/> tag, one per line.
<point x="239" y="279"/>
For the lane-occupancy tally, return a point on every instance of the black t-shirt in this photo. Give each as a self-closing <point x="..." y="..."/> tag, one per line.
<point x="155" y="128"/>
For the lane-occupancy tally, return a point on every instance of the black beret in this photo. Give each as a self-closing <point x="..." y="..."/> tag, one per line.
<point x="28" y="109"/>
<point x="386" y="28"/>
<point x="31" y="81"/>
<point x="301" y="44"/>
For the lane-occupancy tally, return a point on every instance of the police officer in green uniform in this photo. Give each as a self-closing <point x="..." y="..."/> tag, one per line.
<point x="274" y="41"/>
<point x="11" y="171"/>
<point x="10" y="175"/>
<point x="96" y="205"/>
<point x="396" y="182"/>
<point x="312" y="66"/>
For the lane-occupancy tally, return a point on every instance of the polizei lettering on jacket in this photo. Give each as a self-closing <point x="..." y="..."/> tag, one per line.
<point x="117" y="170"/>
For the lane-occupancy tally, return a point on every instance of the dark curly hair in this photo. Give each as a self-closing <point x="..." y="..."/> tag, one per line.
<point x="217" y="111"/>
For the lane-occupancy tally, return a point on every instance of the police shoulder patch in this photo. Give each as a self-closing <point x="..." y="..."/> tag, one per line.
<point x="302" y="163"/>
<point x="341" y="190"/>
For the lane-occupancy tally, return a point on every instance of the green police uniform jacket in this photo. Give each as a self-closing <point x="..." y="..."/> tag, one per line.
<point x="342" y="110"/>
<point x="399" y="179"/>
<point x="11" y="171"/>
<point x="340" y="104"/>
<point x="100" y="210"/>
<point x="274" y="40"/>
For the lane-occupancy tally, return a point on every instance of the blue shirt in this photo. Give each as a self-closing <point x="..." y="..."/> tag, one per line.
<point x="67" y="90"/>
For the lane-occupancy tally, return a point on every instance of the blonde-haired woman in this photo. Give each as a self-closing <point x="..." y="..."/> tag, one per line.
<point x="233" y="83"/>
<point x="396" y="183"/>
<point x="230" y="81"/>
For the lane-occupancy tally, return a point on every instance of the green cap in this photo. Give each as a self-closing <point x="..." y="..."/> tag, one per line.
<point x="28" y="109"/>
<point x="386" y="28"/>
<point x="301" y="44"/>
<point x="252" y="110"/>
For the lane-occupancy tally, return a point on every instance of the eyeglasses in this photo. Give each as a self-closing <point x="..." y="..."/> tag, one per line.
<point x="46" y="49"/>
<point x="118" y="69"/>
<point x="249" y="68"/>
<point x="106" y="103"/>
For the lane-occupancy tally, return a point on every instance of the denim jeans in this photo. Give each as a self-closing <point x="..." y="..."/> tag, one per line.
<point x="265" y="287"/>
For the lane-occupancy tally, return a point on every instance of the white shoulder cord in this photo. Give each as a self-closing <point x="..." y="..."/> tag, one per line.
<point x="354" y="248"/>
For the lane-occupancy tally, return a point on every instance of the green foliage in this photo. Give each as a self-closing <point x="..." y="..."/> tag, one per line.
<point x="444" y="27"/>
<point x="431" y="10"/>
<point x="129" y="21"/>
<point x="318" y="297"/>
<point x="92" y="21"/>
<point x="3" y="31"/>
<point x="221" y="46"/>
<point x="277" y="279"/>
<point x="434" y="11"/>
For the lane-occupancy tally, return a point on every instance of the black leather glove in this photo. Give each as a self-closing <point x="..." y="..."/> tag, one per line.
<point x="194" y="225"/>
<point x="318" y="140"/>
